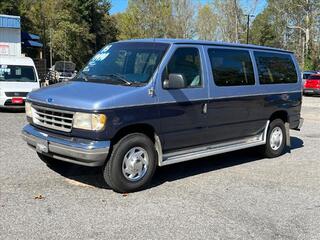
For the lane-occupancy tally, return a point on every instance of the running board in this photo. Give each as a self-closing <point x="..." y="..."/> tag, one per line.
<point x="209" y="150"/>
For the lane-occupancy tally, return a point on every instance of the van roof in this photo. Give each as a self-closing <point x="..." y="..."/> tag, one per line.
<point x="16" y="60"/>
<point x="203" y="42"/>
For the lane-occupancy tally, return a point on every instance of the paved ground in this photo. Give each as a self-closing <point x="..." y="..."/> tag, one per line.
<point x="230" y="196"/>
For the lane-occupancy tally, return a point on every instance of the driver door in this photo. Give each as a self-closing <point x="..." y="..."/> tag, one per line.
<point x="183" y="115"/>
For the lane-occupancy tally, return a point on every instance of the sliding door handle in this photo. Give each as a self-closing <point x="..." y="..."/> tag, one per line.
<point x="205" y="108"/>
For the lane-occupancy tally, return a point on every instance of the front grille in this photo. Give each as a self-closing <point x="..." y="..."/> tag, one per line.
<point x="16" y="94"/>
<point x="52" y="118"/>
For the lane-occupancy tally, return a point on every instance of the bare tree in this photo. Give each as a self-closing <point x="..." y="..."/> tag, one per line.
<point x="183" y="18"/>
<point x="206" y="23"/>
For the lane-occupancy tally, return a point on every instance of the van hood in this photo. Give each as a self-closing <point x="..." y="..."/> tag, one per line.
<point x="18" y="87"/>
<point x="88" y="95"/>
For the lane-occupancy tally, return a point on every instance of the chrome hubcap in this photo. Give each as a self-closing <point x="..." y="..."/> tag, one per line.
<point x="276" y="138"/>
<point x="135" y="164"/>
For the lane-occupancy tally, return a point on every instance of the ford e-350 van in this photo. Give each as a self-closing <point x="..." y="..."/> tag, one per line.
<point x="140" y="104"/>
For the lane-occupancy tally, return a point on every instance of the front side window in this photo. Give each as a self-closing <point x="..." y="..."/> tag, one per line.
<point x="231" y="67"/>
<point x="185" y="61"/>
<point x="275" y="68"/>
<point x="14" y="73"/>
<point x="125" y="62"/>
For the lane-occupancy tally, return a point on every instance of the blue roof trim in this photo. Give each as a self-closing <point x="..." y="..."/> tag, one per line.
<point x="203" y="42"/>
<point x="30" y="43"/>
<point x="7" y="21"/>
<point x="29" y="36"/>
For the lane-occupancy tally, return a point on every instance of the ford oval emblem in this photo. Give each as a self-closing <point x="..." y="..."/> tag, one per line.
<point x="49" y="100"/>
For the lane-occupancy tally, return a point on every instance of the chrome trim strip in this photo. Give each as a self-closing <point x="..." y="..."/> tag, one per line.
<point x="159" y="103"/>
<point x="256" y="94"/>
<point x="209" y="150"/>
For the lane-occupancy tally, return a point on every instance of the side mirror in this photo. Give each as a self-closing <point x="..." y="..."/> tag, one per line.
<point x="175" y="81"/>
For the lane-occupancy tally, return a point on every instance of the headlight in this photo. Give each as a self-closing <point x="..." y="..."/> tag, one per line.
<point x="28" y="109"/>
<point x="89" y="121"/>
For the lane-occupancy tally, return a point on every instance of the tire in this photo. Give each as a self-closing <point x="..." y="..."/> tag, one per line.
<point x="276" y="146"/>
<point x="51" y="162"/>
<point x="125" y="172"/>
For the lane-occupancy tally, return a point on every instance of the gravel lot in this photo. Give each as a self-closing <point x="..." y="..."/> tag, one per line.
<point x="231" y="196"/>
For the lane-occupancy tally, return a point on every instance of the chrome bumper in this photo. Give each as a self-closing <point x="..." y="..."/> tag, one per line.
<point x="69" y="149"/>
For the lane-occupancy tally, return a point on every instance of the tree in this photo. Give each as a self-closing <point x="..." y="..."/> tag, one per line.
<point x="231" y="26"/>
<point x="74" y="29"/>
<point x="293" y="25"/>
<point x="145" y="19"/>
<point x="157" y="19"/>
<point x="183" y="12"/>
<point x="206" y="23"/>
<point x="263" y="31"/>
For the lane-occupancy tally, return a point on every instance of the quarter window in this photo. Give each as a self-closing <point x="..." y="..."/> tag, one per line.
<point x="185" y="61"/>
<point x="231" y="67"/>
<point x="275" y="68"/>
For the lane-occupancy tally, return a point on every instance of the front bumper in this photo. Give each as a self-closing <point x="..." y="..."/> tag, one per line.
<point x="69" y="149"/>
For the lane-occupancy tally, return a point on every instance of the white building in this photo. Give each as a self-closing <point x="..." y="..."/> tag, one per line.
<point x="10" y="35"/>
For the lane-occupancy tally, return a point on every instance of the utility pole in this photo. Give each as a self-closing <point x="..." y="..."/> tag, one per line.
<point x="236" y="14"/>
<point x="248" y="25"/>
<point x="43" y="19"/>
<point x="50" y="48"/>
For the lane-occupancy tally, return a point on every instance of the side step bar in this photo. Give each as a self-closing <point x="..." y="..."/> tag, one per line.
<point x="209" y="150"/>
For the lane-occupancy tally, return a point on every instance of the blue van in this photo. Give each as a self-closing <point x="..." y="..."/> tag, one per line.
<point x="141" y="104"/>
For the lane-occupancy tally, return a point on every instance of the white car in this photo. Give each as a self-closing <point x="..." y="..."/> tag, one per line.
<point x="18" y="77"/>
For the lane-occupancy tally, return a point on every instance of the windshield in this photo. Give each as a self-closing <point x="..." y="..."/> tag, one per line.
<point x="124" y="63"/>
<point x="14" y="73"/>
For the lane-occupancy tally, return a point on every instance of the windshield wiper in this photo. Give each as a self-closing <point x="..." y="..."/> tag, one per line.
<point x="84" y="76"/>
<point x="118" y="77"/>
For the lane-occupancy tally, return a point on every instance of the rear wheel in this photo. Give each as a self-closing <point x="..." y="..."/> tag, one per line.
<point x="132" y="163"/>
<point x="276" y="139"/>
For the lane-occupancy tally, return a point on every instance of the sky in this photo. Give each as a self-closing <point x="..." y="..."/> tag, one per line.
<point x="121" y="5"/>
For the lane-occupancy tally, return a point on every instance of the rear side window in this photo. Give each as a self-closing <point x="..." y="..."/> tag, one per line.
<point x="231" y="67"/>
<point x="275" y="68"/>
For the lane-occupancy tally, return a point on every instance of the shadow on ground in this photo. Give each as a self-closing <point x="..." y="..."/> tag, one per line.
<point x="93" y="176"/>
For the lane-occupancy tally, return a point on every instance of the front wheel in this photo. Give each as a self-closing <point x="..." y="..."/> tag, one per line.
<point x="276" y="139"/>
<point x="132" y="163"/>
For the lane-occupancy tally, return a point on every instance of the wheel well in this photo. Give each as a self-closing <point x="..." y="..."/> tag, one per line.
<point x="283" y="115"/>
<point x="136" y="128"/>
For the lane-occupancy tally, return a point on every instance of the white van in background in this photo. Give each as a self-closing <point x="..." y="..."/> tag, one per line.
<point x="18" y="77"/>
